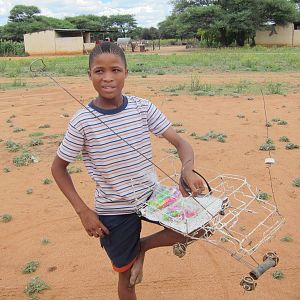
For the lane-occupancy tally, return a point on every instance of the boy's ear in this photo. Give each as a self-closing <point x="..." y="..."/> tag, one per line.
<point x="126" y="73"/>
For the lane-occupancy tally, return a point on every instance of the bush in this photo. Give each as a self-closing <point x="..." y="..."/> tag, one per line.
<point x="11" y="48"/>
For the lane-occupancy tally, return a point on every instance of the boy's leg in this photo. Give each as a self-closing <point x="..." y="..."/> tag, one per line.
<point x="166" y="237"/>
<point x="125" y="291"/>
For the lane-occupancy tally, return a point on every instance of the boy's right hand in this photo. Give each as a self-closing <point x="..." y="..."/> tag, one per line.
<point x="91" y="223"/>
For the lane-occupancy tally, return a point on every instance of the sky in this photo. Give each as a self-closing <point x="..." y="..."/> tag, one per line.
<point x="147" y="13"/>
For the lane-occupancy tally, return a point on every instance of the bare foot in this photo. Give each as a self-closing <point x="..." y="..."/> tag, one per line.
<point x="136" y="275"/>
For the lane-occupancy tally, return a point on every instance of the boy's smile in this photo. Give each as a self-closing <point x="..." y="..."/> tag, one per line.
<point x="108" y="74"/>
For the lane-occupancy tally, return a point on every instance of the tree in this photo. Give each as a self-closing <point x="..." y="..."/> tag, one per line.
<point x="125" y="23"/>
<point x="20" y="13"/>
<point x="230" y="20"/>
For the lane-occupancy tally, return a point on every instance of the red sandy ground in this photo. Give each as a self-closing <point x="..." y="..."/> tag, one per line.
<point x="74" y="265"/>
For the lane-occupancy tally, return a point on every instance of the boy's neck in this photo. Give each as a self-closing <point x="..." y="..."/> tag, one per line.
<point x="108" y="104"/>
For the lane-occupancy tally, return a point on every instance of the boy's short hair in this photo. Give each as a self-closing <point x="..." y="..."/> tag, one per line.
<point x="107" y="47"/>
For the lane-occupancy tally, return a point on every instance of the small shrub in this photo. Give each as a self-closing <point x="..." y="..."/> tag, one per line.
<point x="275" y="120"/>
<point x="24" y="159"/>
<point x="6" y="170"/>
<point x="12" y="146"/>
<point x="193" y="134"/>
<point x="267" y="147"/>
<point x="291" y="146"/>
<point x="36" y="142"/>
<point x="45" y="241"/>
<point x="240" y="116"/>
<point x="30" y="267"/>
<point x="180" y="130"/>
<point x="268" y="124"/>
<point x="221" y="139"/>
<point x="17" y="129"/>
<point x="45" y="126"/>
<point x="284" y="139"/>
<point x="36" y="134"/>
<point x="6" y="218"/>
<point x="66" y="115"/>
<point x="286" y="238"/>
<point x="177" y="124"/>
<point x="263" y="196"/>
<point x="296" y="182"/>
<point x="278" y="275"/>
<point x="47" y="181"/>
<point x="35" y="286"/>
<point x="269" y="141"/>
<point x="8" y="121"/>
<point x="282" y="122"/>
<point x="73" y="169"/>
<point x="29" y="191"/>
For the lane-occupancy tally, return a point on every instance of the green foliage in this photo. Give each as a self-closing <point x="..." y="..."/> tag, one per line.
<point x="224" y="22"/>
<point x="6" y="170"/>
<point x="263" y="196"/>
<point x="17" y="129"/>
<point x="35" y="286"/>
<point x="278" y="275"/>
<point x="291" y="146"/>
<point x="73" y="169"/>
<point x="47" y="181"/>
<point x="282" y="122"/>
<point x="220" y="137"/>
<point x="36" y="134"/>
<point x="5" y="218"/>
<point x="25" y="159"/>
<point x="296" y="182"/>
<point x="286" y="238"/>
<point x="30" y="267"/>
<point x="36" y="142"/>
<point x="29" y="191"/>
<point x="45" y="241"/>
<point x="268" y="145"/>
<point x="12" y="146"/>
<point x="45" y="126"/>
<point x="11" y="48"/>
<point x="284" y="139"/>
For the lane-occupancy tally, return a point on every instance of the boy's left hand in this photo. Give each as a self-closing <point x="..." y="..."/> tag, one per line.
<point x="194" y="182"/>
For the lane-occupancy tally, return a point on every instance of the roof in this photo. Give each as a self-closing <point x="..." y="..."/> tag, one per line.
<point x="81" y="30"/>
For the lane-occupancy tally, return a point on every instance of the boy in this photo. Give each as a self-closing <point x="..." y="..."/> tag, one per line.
<point x="113" y="135"/>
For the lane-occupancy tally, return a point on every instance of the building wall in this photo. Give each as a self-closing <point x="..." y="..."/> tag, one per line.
<point x="40" y="43"/>
<point x="296" y="41"/>
<point x="284" y="36"/>
<point x="88" y="47"/>
<point x="69" y="45"/>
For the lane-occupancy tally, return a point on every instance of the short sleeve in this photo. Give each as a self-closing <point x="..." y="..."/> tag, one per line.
<point x="71" y="144"/>
<point x="157" y="121"/>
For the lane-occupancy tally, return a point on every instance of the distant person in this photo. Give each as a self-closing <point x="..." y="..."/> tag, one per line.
<point x="114" y="165"/>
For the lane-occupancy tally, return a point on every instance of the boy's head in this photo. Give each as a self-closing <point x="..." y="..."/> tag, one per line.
<point x="108" y="71"/>
<point x="107" y="47"/>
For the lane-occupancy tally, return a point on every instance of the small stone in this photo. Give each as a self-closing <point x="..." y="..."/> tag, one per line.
<point x="250" y="98"/>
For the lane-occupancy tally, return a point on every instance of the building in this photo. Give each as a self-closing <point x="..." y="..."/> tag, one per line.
<point x="58" y="42"/>
<point x="288" y="35"/>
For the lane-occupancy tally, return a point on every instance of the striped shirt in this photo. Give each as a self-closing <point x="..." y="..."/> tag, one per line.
<point x="115" y="144"/>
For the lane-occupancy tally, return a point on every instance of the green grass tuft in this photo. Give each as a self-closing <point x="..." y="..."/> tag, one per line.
<point x="296" y="182"/>
<point x="30" y="267"/>
<point x="35" y="286"/>
<point x="5" y="218"/>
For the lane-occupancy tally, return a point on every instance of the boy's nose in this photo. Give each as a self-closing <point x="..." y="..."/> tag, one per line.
<point x="107" y="76"/>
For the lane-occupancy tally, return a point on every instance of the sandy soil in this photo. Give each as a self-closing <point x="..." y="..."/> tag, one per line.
<point x="73" y="264"/>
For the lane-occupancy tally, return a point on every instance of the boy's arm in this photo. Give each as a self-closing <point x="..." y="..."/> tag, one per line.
<point x="186" y="155"/>
<point x="87" y="216"/>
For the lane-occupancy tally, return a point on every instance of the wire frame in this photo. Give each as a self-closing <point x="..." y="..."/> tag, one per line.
<point x="232" y="216"/>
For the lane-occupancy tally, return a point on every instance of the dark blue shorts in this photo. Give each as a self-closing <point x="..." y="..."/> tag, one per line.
<point x="122" y="245"/>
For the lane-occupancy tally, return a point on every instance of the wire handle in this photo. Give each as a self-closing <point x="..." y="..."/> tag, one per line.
<point x="188" y="189"/>
<point x="37" y="66"/>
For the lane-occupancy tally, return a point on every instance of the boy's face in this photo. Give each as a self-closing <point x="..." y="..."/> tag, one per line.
<point x="108" y="73"/>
